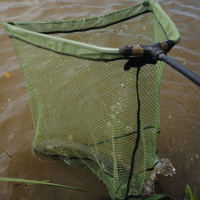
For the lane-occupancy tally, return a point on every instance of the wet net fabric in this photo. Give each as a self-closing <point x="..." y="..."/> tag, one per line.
<point x="94" y="110"/>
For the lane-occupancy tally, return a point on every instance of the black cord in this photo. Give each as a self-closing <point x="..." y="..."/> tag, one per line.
<point x="137" y="139"/>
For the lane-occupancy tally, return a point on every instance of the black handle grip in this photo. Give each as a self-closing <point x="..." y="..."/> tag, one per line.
<point x="180" y="68"/>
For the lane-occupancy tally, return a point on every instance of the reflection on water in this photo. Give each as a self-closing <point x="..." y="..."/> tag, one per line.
<point x="180" y="108"/>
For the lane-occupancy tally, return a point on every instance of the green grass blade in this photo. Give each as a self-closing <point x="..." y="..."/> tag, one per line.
<point x="190" y="192"/>
<point x="157" y="196"/>
<point x="46" y="181"/>
<point x="37" y="182"/>
<point x="138" y="199"/>
<point x="161" y="190"/>
<point x="159" y="185"/>
<point x="195" y="190"/>
<point x="183" y="194"/>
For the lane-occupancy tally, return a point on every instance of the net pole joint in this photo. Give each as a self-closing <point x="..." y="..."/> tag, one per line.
<point x="140" y="55"/>
<point x="136" y="50"/>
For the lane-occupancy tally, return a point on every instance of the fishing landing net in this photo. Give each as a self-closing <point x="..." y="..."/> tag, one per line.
<point x="88" y="99"/>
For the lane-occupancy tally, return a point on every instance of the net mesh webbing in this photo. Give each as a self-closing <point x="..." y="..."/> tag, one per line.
<point x="89" y="109"/>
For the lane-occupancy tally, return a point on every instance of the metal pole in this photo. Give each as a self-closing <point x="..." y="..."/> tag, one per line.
<point x="180" y="68"/>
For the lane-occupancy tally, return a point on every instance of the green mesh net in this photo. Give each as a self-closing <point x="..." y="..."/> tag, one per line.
<point x="83" y="104"/>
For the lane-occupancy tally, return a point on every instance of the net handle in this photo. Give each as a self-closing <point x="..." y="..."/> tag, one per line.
<point x="158" y="51"/>
<point x="180" y="68"/>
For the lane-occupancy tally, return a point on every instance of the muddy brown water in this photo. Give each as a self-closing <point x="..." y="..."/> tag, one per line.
<point x="180" y="106"/>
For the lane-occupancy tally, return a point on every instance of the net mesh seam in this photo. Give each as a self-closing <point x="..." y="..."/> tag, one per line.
<point x="82" y="30"/>
<point x="161" y="27"/>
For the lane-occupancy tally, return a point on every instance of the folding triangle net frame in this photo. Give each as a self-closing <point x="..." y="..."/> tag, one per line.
<point x="93" y="98"/>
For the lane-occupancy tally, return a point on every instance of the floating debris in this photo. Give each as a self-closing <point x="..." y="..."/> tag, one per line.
<point x="7" y="74"/>
<point x="5" y="152"/>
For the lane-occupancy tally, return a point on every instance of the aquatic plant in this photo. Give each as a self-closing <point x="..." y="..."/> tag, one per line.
<point x="187" y="191"/>
<point x="155" y="197"/>
<point x="32" y="182"/>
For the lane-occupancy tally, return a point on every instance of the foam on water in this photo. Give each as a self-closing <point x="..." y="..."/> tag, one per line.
<point x="165" y="168"/>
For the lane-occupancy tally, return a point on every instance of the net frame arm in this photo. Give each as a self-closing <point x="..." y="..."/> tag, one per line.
<point x="158" y="51"/>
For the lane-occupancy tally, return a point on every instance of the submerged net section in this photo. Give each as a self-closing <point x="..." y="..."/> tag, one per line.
<point x="94" y="110"/>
